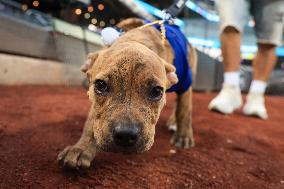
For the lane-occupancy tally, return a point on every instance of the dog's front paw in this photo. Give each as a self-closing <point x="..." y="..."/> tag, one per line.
<point x="182" y="141"/>
<point x="75" y="158"/>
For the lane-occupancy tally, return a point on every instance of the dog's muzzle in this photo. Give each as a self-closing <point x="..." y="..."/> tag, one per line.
<point x="125" y="135"/>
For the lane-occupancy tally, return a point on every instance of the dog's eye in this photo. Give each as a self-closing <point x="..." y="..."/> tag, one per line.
<point x="156" y="93"/>
<point x="101" y="87"/>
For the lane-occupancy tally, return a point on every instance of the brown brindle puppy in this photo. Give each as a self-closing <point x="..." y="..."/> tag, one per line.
<point x="128" y="81"/>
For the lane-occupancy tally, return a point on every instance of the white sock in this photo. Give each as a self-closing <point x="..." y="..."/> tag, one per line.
<point x="232" y="78"/>
<point x="257" y="86"/>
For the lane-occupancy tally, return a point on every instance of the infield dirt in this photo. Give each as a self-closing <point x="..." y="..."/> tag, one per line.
<point x="234" y="151"/>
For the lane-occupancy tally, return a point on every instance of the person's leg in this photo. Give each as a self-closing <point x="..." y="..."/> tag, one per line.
<point x="229" y="98"/>
<point x="264" y="62"/>
<point x="230" y="46"/>
<point x="233" y="15"/>
<point x="263" y="65"/>
<point x="269" y="28"/>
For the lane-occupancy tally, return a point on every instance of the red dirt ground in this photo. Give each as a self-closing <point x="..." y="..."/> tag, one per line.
<point x="231" y="151"/>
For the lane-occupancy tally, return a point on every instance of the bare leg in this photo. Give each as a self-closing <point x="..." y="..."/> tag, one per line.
<point x="263" y="65"/>
<point x="229" y="99"/>
<point x="264" y="62"/>
<point x="231" y="41"/>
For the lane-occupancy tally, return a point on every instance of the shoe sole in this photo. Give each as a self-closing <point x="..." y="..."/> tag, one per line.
<point x="255" y="114"/>
<point x="217" y="109"/>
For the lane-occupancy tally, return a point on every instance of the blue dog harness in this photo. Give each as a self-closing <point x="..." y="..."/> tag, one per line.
<point x="179" y="44"/>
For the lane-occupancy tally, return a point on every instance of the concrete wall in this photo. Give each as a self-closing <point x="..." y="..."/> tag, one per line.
<point x="66" y="44"/>
<point x="23" y="38"/>
<point x="19" y="70"/>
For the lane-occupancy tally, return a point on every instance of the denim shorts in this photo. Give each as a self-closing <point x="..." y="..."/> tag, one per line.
<point x="267" y="14"/>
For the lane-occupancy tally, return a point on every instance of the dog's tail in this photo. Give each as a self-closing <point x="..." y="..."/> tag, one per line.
<point x="130" y="23"/>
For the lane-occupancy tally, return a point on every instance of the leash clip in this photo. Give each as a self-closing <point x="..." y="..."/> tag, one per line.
<point x="167" y="17"/>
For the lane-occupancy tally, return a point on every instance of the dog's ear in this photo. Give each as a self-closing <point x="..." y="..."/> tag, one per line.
<point x="172" y="78"/>
<point x="130" y="23"/>
<point x="91" y="58"/>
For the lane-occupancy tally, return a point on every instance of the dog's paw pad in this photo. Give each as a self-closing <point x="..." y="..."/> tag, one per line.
<point x="182" y="141"/>
<point x="74" y="158"/>
<point x="62" y="154"/>
<point x="84" y="161"/>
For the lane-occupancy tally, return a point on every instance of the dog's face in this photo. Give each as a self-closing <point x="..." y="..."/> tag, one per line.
<point x="127" y="91"/>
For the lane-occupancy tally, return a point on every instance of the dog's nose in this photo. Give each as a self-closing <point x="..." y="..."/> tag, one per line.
<point x="125" y="135"/>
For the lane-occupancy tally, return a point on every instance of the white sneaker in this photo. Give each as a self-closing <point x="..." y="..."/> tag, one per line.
<point x="255" y="106"/>
<point x="228" y="100"/>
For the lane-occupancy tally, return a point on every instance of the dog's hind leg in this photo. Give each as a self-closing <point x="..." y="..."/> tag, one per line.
<point x="80" y="155"/>
<point x="171" y="123"/>
<point x="183" y="137"/>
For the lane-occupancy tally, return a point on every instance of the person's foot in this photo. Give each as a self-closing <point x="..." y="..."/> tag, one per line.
<point x="228" y="100"/>
<point x="255" y="106"/>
